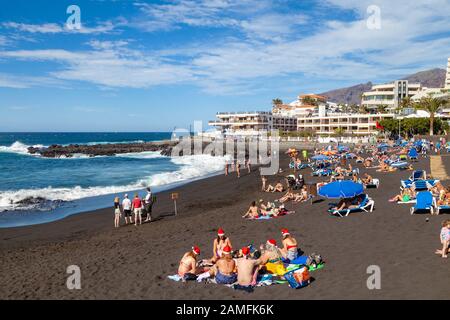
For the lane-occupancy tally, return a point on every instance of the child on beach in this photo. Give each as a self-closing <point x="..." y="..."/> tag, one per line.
<point x="117" y="212"/>
<point x="445" y="239"/>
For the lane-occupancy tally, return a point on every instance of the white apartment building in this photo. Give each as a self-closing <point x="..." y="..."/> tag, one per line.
<point x="389" y="94"/>
<point x="354" y="124"/>
<point x="252" y="123"/>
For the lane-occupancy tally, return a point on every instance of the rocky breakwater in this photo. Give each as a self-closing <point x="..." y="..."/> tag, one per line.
<point x="112" y="149"/>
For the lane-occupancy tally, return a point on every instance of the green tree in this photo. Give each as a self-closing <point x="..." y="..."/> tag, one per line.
<point x="432" y="106"/>
<point x="309" y="101"/>
<point x="277" y="102"/>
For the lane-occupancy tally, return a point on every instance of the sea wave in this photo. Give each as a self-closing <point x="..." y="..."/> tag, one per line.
<point x="192" y="167"/>
<point x="18" y="147"/>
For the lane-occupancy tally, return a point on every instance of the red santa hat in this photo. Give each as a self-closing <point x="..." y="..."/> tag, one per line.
<point x="245" y="251"/>
<point x="220" y="232"/>
<point x="227" y="250"/>
<point x="285" y="232"/>
<point x="196" y="250"/>
<point x="272" y="242"/>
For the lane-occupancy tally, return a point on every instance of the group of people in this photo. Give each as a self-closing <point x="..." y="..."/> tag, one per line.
<point x="235" y="165"/>
<point x="136" y="207"/>
<point x="239" y="268"/>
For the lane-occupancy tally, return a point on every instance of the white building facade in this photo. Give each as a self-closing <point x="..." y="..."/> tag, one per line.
<point x="389" y="95"/>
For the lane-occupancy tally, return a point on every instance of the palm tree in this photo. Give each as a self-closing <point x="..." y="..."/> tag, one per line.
<point x="381" y="108"/>
<point x="430" y="105"/>
<point x="276" y="102"/>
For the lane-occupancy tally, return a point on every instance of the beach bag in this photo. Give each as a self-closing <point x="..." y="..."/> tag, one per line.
<point x="314" y="260"/>
<point x="298" y="278"/>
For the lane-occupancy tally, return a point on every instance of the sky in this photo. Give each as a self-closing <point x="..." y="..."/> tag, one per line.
<point x="155" y="65"/>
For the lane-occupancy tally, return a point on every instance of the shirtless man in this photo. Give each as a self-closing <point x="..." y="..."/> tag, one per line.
<point x="188" y="264"/>
<point x="246" y="271"/>
<point x="367" y="179"/>
<point x="253" y="211"/>
<point x="223" y="270"/>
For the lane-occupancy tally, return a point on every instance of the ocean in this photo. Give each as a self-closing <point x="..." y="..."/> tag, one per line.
<point x="66" y="186"/>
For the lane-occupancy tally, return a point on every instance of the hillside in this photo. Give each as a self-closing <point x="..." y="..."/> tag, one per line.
<point x="352" y="95"/>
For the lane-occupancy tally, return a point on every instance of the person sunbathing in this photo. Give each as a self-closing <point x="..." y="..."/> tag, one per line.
<point x="278" y="188"/>
<point x="252" y="212"/>
<point x="219" y="244"/>
<point x="289" y="195"/>
<point x="271" y="258"/>
<point x="188" y="265"/>
<point x="342" y="204"/>
<point x="405" y="195"/>
<point x="290" y="247"/>
<point x="303" y="196"/>
<point x="368" y="162"/>
<point x="246" y="271"/>
<point x="367" y="179"/>
<point x="224" y="269"/>
<point x="359" y="159"/>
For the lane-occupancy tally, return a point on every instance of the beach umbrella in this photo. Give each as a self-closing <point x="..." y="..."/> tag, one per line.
<point x="341" y="189"/>
<point x="320" y="157"/>
<point x="382" y="146"/>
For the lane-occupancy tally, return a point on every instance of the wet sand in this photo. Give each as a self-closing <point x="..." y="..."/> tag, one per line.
<point x="134" y="262"/>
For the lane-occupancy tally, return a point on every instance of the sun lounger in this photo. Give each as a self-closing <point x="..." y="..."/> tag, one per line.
<point x="366" y="205"/>
<point x="412" y="154"/>
<point x="424" y="202"/>
<point x="421" y="185"/>
<point x="444" y="207"/>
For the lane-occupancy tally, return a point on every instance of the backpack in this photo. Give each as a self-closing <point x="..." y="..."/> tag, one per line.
<point x="314" y="260"/>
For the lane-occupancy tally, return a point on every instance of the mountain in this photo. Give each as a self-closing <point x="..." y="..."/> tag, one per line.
<point x="434" y="78"/>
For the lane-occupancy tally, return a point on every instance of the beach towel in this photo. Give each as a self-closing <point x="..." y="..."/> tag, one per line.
<point x="175" y="277"/>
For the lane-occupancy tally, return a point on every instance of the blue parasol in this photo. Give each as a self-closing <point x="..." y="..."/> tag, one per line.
<point x="341" y="189"/>
<point x="320" y="157"/>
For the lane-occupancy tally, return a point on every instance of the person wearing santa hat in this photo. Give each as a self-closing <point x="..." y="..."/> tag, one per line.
<point x="220" y="242"/>
<point x="223" y="270"/>
<point x="290" y="247"/>
<point x="246" y="271"/>
<point x="188" y="264"/>
<point x="271" y="257"/>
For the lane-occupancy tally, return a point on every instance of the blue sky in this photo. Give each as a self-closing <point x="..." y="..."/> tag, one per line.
<point x="153" y="65"/>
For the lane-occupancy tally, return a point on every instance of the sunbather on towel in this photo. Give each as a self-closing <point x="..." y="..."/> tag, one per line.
<point x="246" y="271"/>
<point x="224" y="269"/>
<point x="220" y="242"/>
<point x="188" y="265"/>
<point x="367" y="179"/>
<point x="277" y="188"/>
<point x="405" y="195"/>
<point x="290" y="247"/>
<point x="271" y="258"/>
<point x="303" y="196"/>
<point x="252" y="212"/>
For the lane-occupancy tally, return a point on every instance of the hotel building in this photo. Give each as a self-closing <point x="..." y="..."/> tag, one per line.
<point x="353" y="124"/>
<point x="447" y="77"/>
<point x="389" y="95"/>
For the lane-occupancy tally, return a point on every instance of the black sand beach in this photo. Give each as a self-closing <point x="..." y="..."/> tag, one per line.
<point x="133" y="263"/>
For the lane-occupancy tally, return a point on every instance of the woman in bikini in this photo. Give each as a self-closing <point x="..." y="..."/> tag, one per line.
<point x="290" y="247"/>
<point x="219" y="243"/>
<point x="188" y="265"/>
<point x="252" y="212"/>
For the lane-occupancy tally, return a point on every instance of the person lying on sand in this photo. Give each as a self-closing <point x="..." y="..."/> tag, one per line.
<point x="220" y="242"/>
<point x="278" y="188"/>
<point x="224" y="269"/>
<point x="252" y="212"/>
<point x="246" y="271"/>
<point x="445" y="239"/>
<point x="303" y="196"/>
<point x="405" y="195"/>
<point x="368" y="162"/>
<point x="290" y="247"/>
<point x="188" y="265"/>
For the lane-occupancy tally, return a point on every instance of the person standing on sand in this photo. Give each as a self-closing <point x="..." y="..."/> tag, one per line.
<point x="148" y="201"/>
<point x="117" y="213"/>
<point x="137" y="208"/>
<point x="249" y="166"/>
<point x="238" y="169"/>
<point x="226" y="168"/>
<point x="445" y="239"/>
<point x="246" y="271"/>
<point x="263" y="181"/>
<point x="126" y="206"/>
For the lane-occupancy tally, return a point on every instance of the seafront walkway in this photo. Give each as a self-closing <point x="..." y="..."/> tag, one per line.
<point x="439" y="167"/>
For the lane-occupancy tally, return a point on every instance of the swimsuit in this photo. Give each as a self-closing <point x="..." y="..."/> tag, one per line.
<point x="226" y="279"/>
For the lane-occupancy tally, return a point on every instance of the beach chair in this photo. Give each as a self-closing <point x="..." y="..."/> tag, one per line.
<point x="416" y="175"/>
<point x="424" y="201"/>
<point x="366" y="205"/>
<point x="375" y="184"/>
<point x="444" y="207"/>
<point x="412" y="154"/>
<point x="421" y="185"/>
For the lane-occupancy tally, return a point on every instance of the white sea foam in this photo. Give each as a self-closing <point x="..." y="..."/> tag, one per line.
<point x="18" y="147"/>
<point x="191" y="167"/>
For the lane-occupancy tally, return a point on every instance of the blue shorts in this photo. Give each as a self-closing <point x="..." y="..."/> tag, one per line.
<point x="224" y="279"/>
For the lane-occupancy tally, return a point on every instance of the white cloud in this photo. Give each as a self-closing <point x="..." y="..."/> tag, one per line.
<point x="54" y="28"/>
